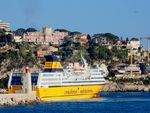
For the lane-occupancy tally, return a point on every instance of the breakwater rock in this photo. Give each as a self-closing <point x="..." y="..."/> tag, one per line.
<point x="18" y="99"/>
<point x="129" y="87"/>
<point x="141" y="84"/>
<point x="3" y="91"/>
<point x="12" y="102"/>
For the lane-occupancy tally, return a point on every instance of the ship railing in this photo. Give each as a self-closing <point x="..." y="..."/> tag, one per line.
<point x="71" y="75"/>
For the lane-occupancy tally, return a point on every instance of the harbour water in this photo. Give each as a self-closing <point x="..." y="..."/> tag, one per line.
<point x="133" y="102"/>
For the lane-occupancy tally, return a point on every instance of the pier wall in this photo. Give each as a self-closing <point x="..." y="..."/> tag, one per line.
<point x="16" y="99"/>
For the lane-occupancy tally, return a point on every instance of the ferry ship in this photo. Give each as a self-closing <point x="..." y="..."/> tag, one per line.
<point x="57" y="84"/>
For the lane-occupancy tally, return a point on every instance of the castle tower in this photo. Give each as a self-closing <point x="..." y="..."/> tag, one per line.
<point x="47" y="30"/>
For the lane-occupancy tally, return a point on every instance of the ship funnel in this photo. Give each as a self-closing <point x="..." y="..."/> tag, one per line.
<point x="52" y="64"/>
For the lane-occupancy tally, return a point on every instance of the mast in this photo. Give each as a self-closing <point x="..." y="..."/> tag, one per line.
<point x="148" y="48"/>
<point x="131" y="56"/>
<point x="148" y="39"/>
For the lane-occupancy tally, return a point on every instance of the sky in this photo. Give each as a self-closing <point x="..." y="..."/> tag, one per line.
<point x="124" y="18"/>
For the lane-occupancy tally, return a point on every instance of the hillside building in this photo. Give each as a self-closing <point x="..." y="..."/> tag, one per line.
<point x="5" y="26"/>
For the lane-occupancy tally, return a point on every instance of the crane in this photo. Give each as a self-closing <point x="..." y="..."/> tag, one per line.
<point x="148" y="39"/>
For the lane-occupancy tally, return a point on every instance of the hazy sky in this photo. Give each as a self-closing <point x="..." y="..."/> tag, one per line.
<point x="127" y="18"/>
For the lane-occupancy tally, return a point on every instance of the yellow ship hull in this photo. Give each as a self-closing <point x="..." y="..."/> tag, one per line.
<point x="64" y="92"/>
<point x="68" y="92"/>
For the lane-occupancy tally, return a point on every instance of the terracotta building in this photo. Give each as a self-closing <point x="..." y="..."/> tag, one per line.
<point x="82" y="39"/>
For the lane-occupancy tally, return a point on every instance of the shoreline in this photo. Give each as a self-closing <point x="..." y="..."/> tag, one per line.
<point x="128" y="83"/>
<point x="10" y="103"/>
<point x="125" y="87"/>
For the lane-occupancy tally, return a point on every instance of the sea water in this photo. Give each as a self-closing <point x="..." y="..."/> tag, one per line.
<point x="133" y="102"/>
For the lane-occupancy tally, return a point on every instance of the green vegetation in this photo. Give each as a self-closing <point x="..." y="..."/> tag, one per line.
<point x="22" y="56"/>
<point x="21" y="31"/>
<point x="109" y="36"/>
<point x="2" y="32"/>
<point x="120" y="53"/>
<point x="2" y="56"/>
<point x="70" y="51"/>
<point x="4" y="82"/>
<point x="99" y="52"/>
<point x="26" y="54"/>
<point x="12" y="55"/>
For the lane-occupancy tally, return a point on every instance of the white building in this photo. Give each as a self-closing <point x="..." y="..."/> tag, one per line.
<point x="5" y="26"/>
<point x="134" y="44"/>
<point x="17" y="38"/>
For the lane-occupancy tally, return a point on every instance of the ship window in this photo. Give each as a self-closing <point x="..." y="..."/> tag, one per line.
<point x="34" y="78"/>
<point x="16" y="80"/>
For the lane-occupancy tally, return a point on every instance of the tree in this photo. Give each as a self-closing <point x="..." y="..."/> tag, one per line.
<point x="2" y="31"/>
<point x="111" y="36"/>
<point x="62" y="30"/>
<point x="104" y="53"/>
<point x="29" y="59"/>
<point x="75" y="33"/>
<point x="12" y="54"/>
<point x="2" y="56"/>
<point x="127" y="39"/>
<point x="97" y="52"/>
<point x="31" y="30"/>
<point x="76" y="45"/>
<point x="4" y="82"/>
<point x="20" y="31"/>
<point x="120" y="53"/>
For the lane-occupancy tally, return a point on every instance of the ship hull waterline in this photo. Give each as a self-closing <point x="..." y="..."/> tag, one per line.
<point x="69" y="92"/>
